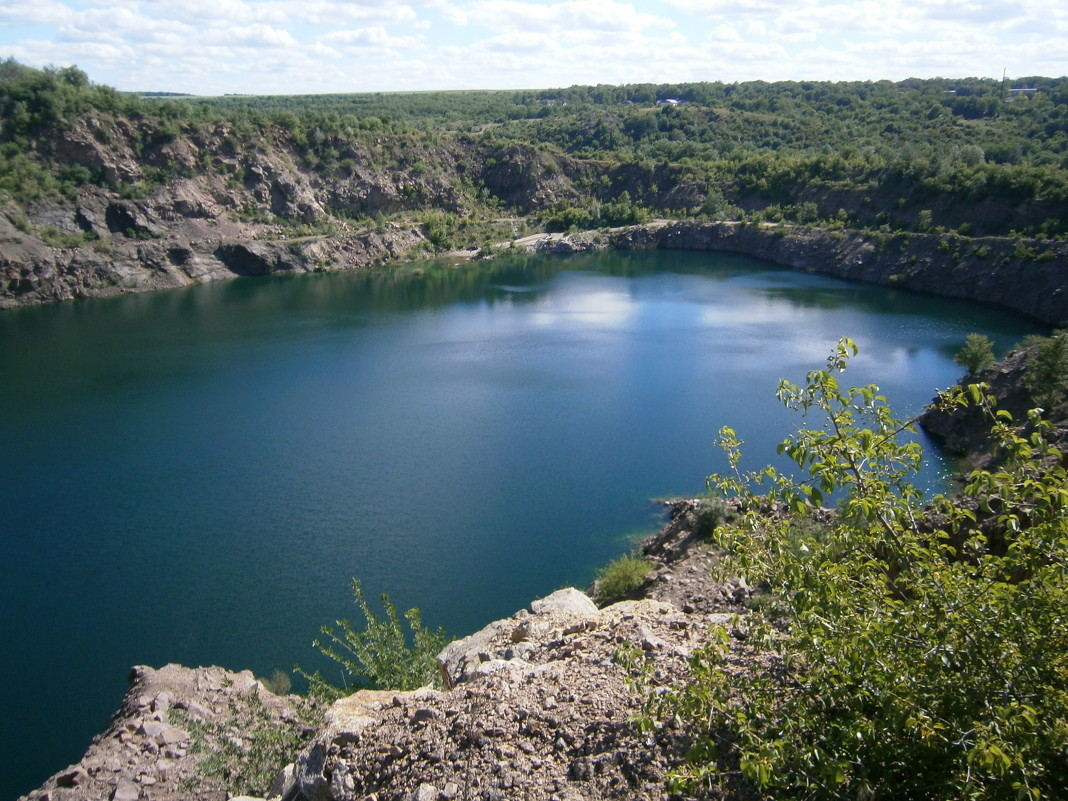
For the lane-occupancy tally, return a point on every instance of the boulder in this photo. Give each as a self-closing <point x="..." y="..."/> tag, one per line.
<point x="568" y="600"/>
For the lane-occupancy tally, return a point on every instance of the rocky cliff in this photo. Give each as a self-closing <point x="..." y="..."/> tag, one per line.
<point x="170" y="209"/>
<point x="966" y="432"/>
<point x="1031" y="278"/>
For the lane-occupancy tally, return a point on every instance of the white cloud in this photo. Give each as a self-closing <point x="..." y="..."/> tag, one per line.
<point x="200" y="12"/>
<point x="30" y="12"/>
<point x="255" y="35"/>
<point x="374" y="37"/>
<point x="727" y="8"/>
<point x="327" y="12"/>
<point x="557" y="18"/>
<point x="327" y="45"/>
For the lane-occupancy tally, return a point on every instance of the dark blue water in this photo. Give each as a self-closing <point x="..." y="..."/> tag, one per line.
<point x="195" y="476"/>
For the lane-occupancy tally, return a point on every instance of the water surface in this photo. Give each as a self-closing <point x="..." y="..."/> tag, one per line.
<point x="194" y="476"/>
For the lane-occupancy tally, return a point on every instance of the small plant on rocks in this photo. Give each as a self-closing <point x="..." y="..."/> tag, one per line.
<point x="381" y="655"/>
<point x="622" y="576"/>
<point x="247" y="749"/>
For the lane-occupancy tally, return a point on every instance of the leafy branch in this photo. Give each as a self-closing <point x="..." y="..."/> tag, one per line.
<point x="924" y="649"/>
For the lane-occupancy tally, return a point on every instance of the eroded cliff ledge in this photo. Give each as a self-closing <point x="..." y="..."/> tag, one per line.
<point x="1028" y="277"/>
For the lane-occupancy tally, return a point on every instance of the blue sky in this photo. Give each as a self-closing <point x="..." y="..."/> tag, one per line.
<point x="295" y="46"/>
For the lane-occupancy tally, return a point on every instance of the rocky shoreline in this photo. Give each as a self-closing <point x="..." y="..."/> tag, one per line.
<point x="1027" y="277"/>
<point x="1030" y="277"/>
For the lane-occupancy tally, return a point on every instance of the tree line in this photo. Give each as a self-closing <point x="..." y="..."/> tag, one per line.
<point x="907" y="155"/>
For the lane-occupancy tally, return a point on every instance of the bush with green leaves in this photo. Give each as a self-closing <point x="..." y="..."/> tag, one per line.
<point x="381" y="655"/>
<point x="708" y="514"/>
<point x="622" y="576"/>
<point x="977" y="353"/>
<point x="924" y="649"/>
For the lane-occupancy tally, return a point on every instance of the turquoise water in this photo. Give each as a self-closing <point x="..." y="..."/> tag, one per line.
<point x="194" y="476"/>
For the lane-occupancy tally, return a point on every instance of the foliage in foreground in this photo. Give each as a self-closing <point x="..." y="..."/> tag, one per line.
<point x="380" y="655"/>
<point x="246" y="748"/>
<point x="922" y="655"/>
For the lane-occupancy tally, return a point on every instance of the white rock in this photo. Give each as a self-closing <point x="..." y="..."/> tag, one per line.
<point x="566" y="600"/>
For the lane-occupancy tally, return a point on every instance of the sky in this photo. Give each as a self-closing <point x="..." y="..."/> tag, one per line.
<point x="212" y="47"/>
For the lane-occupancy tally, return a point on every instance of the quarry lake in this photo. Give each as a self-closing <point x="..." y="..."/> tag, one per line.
<point x="195" y="476"/>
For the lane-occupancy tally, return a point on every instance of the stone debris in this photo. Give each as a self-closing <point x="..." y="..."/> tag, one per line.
<point x="537" y="708"/>
<point x="146" y="754"/>
<point x="553" y="724"/>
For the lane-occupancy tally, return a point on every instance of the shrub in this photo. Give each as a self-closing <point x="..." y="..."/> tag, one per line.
<point x="622" y="576"/>
<point x="920" y="657"/>
<point x="278" y="683"/>
<point x="380" y="655"/>
<point x="567" y="219"/>
<point x="710" y="513"/>
<point x="977" y="353"/>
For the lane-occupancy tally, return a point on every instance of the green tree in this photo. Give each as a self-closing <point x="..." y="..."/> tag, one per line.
<point x="920" y="656"/>
<point x="977" y="353"/>
<point x="1047" y="374"/>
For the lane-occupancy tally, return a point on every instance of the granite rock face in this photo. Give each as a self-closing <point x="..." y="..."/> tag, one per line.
<point x="1032" y="280"/>
<point x="237" y="218"/>
<point x="965" y="432"/>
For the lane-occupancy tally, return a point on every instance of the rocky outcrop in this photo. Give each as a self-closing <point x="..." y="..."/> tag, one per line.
<point x="529" y="179"/>
<point x="170" y="720"/>
<point x="965" y="431"/>
<point x="148" y="252"/>
<point x="538" y="709"/>
<point x="236" y="206"/>
<point x="256" y="208"/>
<point x="1026" y="277"/>
<point x="233" y="207"/>
<point x="537" y="706"/>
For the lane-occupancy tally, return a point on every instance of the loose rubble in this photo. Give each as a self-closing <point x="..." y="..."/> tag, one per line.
<point x="149" y="751"/>
<point x="537" y="707"/>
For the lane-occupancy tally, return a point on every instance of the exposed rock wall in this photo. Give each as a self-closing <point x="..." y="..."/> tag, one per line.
<point x="216" y="215"/>
<point x="966" y="431"/>
<point x="231" y="208"/>
<point x="1031" y="277"/>
<point x="196" y="251"/>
